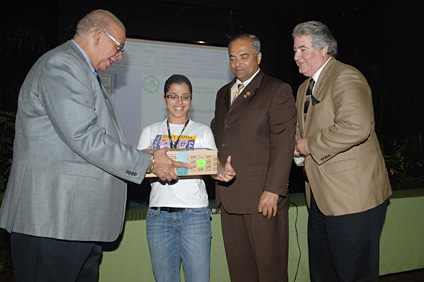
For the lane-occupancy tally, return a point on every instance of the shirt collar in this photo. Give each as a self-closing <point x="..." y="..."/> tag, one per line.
<point x="317" y="74"/>
<point x="87" y="58"/>
<point x="247" y="81"/>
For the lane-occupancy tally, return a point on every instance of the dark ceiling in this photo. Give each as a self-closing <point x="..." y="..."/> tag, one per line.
<point x="383" y="38"/>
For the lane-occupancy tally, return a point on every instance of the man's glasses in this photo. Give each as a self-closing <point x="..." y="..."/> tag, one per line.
<point x="173" y="97"/>
<point x="119" y="46"/>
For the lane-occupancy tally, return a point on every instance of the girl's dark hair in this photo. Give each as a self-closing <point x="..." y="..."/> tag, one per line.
<point x="178" y="79"/>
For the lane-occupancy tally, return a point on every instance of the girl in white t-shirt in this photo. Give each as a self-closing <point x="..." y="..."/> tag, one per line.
<point x="178" y="219"/>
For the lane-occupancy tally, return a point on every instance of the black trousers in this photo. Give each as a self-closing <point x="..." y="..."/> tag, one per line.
<point x="345" y="248"/>
<point x="38" y="259"/>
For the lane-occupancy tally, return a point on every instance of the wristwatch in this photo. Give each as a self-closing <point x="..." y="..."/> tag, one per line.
<point x="149" y="170"/>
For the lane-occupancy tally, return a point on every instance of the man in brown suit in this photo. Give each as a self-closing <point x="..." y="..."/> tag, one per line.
<point x="257" y="128"/>
<point x="347" y="184"/>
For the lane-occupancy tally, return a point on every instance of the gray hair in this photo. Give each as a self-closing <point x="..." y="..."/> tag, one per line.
<point x="97" y="19"/>
<point x="320" y="33"/>
<point x="256" y="44"/>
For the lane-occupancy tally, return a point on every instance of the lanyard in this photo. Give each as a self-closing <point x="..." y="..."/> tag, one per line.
<point x="171" y="144"/>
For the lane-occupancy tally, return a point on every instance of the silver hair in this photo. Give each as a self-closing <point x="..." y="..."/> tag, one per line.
<point x="320" y="33"/>
<point x="97" y="19"/>
<point x="256" y="44"/>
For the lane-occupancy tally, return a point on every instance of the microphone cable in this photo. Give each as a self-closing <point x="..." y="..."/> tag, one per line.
<point x="297" y="240"/>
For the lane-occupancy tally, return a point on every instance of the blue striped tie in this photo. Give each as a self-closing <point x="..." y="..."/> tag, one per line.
<point x="98" y="78"/>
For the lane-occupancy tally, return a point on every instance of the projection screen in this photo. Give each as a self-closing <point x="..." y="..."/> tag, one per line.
<point x="136" y="82"/>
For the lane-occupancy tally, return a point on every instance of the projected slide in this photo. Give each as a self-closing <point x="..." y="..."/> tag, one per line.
<point x="136" y="82"/>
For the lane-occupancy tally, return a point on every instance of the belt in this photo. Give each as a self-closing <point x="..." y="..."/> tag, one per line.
<point x="169" y="209"/>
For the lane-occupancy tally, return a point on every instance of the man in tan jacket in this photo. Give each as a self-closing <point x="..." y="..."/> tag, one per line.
<point x="347" y="184"/>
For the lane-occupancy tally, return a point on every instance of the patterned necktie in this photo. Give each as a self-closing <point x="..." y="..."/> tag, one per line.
<point x="98" y="78"/>
<point x="308" y="95"/>
<point x="240" y="88"/>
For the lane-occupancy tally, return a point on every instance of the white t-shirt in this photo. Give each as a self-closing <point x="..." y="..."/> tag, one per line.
<point x="189" y="192"/>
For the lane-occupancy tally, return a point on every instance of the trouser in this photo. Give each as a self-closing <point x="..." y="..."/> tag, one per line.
<point x="345" y="248"/>
<point x="39" y="259"/>
<point x="256" y="247"/>
<point x="179" y="236"/>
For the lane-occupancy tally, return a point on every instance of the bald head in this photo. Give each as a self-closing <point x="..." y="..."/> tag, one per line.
<point x="97" y="19"/>
<point x="102" y="36"/>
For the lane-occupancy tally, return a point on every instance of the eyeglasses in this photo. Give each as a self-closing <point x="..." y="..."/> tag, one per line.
<point x="119" y="46"/>
<point x="176" y="97"/>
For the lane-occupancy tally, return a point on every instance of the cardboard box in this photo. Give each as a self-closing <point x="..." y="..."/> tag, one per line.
<point x="202" y="161"/>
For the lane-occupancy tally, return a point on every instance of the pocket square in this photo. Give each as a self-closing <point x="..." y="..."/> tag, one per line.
<point x="315" y="100"/>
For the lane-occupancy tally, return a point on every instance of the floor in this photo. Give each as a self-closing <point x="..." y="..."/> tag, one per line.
<point x="410" y="276"/>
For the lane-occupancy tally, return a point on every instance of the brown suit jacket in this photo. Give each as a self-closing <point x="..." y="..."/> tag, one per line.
<point x="257" y="130"/>
<point x="346" y="169"/>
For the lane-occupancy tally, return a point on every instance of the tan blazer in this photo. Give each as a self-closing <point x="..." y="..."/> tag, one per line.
<point x="346" y="168"/>
<point x="258" y="131"/>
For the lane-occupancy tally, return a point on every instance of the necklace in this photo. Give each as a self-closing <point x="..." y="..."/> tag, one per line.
<point x="171" y="144"/>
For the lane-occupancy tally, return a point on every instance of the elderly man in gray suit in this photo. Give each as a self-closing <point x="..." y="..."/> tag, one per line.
<point x="67" y="191"/>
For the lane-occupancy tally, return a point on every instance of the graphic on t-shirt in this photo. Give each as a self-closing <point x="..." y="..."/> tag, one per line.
<point x="185" y="141"/>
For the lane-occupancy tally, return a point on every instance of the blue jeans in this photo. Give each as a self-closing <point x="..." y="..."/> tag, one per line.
<point x="180" y="236"/>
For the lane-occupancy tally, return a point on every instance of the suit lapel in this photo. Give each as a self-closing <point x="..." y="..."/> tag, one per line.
<point x="227" y="96"/>
<point x="248" y="92"/>
<point x="318" y="92"/>
<point x="112" y="111"/>
<point x="109" y="103"/>
<point x="105" y="95"/>
<point x="301" y="96"/>
<point x="323" y="79"/>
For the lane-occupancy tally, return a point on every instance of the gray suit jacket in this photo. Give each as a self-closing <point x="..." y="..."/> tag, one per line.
<point x="70" y="158"/>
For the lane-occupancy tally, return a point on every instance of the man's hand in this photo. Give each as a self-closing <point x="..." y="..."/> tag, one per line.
<point x="301" y="149"/>
<point x="296" y="152"/>
<point x="164" y="166"/>
<point x="225" y="173"/>
<point x="268" y="204"/>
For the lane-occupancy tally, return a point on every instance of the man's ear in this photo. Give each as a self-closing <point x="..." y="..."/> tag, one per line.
<point x="324" y="50"/>
<point x="259" y="57"/>
<point x="96" y="36"/>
